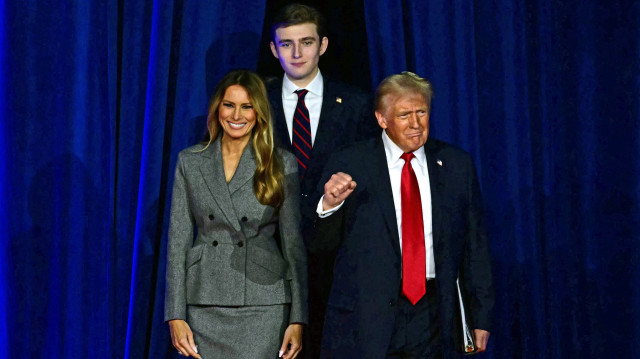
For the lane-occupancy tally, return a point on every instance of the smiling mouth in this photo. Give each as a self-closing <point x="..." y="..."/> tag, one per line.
<point x="236" y="125"/>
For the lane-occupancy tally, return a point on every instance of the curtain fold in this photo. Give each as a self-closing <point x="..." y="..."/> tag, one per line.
<point x="5" y="238"/>
<point x="56" y="153"/>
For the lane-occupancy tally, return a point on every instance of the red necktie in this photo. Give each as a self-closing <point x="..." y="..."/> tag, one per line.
<point x="301" y="138"/>
<point x="413" y="252"/>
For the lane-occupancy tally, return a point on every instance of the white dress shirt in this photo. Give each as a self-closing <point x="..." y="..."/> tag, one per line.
<point x="313" y="101"/>
<point x="395" y="164"/>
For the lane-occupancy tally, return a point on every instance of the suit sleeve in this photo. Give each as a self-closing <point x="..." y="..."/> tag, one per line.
<point x="328" y="230"/>
<point x="477" y="277"/>
<point x="293" y="249"/>
<point x="181" y="229"/>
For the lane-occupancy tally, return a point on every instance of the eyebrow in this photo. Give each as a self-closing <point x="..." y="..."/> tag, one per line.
<point x="242" y="104"/>
<point x="308" y="38"/>
<point x="404" y="112"/>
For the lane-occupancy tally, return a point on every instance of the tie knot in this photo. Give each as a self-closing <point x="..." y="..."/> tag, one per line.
<point x="301" y="93"/>
<point x="407" y="156"/>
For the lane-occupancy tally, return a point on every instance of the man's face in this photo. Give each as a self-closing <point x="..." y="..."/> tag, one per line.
<point x="406" y="120"/>
<point x="298" y="47"/>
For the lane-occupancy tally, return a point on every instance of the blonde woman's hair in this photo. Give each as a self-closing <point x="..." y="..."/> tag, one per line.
<point x="269" y="176"/>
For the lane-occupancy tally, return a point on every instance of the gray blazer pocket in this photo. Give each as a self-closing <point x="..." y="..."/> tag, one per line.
<point x="194" y="255"/>
<point x="272" y="262"/>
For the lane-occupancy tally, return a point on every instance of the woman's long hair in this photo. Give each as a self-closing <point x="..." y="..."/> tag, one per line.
<point x="268" y="178"/>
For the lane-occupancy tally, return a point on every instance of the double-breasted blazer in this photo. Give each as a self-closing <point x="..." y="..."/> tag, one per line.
<point x="367" y="274"/>
<point x="222" y="249"/>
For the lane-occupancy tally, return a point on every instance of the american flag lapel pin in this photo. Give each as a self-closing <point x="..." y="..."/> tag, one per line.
<point x="439" y="163"/>
<point x="339" y="99"/>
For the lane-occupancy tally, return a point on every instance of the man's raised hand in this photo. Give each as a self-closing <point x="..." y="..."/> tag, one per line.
<point x="337" y="189"/>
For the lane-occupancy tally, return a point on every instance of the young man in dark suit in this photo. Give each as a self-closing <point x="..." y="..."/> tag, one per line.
<point x="313" y="116"/>
<point x="404" y="233"/>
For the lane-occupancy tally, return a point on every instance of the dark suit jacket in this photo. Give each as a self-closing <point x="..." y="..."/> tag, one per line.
<point x="367" y="274"/>
<point x="346" y="117"/>
<point x="234" y="258"/>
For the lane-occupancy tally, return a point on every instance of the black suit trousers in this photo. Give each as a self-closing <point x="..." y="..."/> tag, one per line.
<point x="416" y="333"/>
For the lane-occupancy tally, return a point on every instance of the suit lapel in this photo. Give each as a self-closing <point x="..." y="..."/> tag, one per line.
<point x="329" y="117"/>
<point x="436" y="168"/>
<point x="329" y="128"/>
<point x="279" y="122"/>
<point x="213" y="173"/>
<point x="378" y="172"/>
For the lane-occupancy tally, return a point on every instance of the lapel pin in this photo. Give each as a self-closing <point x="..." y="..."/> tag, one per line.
<point x="339" y="99"/>
<point x="439" y="163"/>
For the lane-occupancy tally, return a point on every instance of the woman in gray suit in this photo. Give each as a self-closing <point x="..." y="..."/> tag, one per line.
<point x="236" y="272"/>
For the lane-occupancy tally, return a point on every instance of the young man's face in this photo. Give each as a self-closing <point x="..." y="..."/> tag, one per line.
<point x="298" y="47"/>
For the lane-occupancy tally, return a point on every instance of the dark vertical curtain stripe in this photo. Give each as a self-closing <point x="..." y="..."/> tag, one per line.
<point x="5" y="238"/>
<point x="144" y="247"/>
<point x="113" y="51"/>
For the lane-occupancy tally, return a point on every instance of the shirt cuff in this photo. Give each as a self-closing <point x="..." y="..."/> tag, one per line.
<point x="327" y="213"/>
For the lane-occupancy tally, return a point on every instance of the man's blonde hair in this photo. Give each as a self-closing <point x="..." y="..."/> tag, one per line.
<point x="400" y="84"/>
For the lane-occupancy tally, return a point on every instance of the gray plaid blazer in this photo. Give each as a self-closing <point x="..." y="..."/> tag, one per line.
<point x="223" y="244"/>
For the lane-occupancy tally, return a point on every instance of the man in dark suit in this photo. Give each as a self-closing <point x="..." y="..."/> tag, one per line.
<point x="313" y="116"/>
<point x="404" y="233"/>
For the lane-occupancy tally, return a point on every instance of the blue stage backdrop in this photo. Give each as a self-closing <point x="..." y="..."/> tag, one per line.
<point x="98" y="97"/>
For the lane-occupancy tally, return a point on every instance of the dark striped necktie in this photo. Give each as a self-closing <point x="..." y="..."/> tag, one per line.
<point x="301" y="138"/>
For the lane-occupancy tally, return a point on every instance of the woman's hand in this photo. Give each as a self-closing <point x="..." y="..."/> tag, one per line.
<point x="182" y="338"/>
<point x="292" y="342"/>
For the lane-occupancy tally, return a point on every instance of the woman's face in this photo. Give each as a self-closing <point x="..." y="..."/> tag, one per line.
<point x="236" y="114"/>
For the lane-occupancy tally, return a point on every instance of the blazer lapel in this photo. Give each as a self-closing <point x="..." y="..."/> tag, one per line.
<point x="379" y="174"/>
<point x="244" y="172"/>
<point x="436" y="168"/>
<point x="213" y="173"/>
<point x="329" y="117"/>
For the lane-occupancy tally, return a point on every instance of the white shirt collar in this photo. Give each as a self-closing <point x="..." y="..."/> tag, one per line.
<point x="393" y="152"/>
<point x="316" y="86"/>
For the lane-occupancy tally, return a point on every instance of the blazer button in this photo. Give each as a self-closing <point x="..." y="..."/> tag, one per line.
<point x="215" y="243"/>
<point x="244" y="219"/>
<point x="211" y="217"/>
<point x="240" y="244"/>
<point x="391" y="303"/>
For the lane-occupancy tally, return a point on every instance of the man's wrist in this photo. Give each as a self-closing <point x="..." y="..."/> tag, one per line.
<point x="322" y="213"/>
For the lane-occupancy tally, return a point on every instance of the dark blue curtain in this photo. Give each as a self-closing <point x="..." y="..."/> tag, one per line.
<point x="544" y="94"/>
<point x="97" y="98"/>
